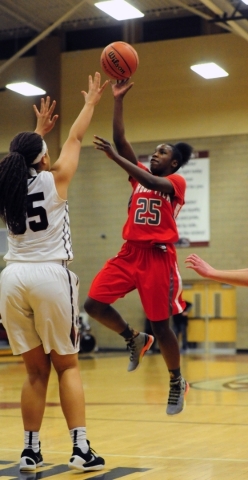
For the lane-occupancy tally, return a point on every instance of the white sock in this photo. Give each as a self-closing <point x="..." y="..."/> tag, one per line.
<point x="78" y="436"/>
<point x="31" y="440"/>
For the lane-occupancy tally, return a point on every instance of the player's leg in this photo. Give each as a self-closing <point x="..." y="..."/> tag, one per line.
<point x="148" y="329"/>
<point x="73" y="406"/>
<point x="33" y="400"/>
<point x="18" y="320"/>
<point x="54" y="298"/>
<point x="137" y="342"/>
<point x="60" y="336"/>
<point x="168" y="344"/>
<point x="105" y="314"/>
<point x="176" y="328"/>
<point x="158" y="298"/>
<point x="184" y="336"/>
<point x="169" y="349"/>
<point x="34" y="389"/>
<point x="70" y="388"/>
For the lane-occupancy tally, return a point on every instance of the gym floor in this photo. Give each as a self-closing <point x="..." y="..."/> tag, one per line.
<point x="127" y="424"/>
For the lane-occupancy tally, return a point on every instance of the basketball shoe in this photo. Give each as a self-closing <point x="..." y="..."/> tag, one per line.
<point x="30" y="460"/>
<point x="138" y="346"/>
<point x="86" y="462"/>
<point x="178" y="391"/>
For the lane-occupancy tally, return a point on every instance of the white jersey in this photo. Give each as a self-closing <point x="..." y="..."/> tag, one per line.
<point x="47" y="236"/>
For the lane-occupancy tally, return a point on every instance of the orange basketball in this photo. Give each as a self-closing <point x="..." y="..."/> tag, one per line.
<point x="119" y="60"/>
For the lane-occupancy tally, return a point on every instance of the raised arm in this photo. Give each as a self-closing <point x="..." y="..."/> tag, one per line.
<point x="124" y="148"/>
<point x="145" y="178"/>
<point x="45" y="118"/>
<point x="65" y="167"/>
<point x="238" y="278"/>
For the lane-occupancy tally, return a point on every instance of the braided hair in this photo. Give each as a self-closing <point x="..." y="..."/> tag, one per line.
<point x="181" y="152"/>
<point x="24" y="148"/>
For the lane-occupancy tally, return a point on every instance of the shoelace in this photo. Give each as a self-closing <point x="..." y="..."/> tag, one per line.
<point x="131" y="346"/>
<point x="175" y="393"/>
<point x="91" y="450"/>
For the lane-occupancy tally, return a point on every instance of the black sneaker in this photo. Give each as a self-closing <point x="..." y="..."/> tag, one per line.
<point x="86" y="462"/>
<point x="30" y="460"/>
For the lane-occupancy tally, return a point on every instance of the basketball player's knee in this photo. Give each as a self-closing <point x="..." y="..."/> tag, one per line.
<point x="93" y="308"/>
<point x="88" y="305"/>
<point x="64" y="363"/>
<point x="38" y="376"/>
<point x="160" y="329"/>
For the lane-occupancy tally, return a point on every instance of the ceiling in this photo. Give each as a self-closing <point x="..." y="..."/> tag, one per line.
<point x="38" y="18"/>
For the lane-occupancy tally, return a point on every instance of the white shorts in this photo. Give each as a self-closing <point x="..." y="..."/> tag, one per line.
<point x="39" y="305"/>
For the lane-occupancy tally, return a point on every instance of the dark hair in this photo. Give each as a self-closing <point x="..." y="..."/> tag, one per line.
<point x="181" y="152"/>
<point x="24" y="148"/>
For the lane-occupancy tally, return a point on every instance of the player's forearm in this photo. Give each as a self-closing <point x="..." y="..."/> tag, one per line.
<point x="145" y="178"/>
<point x="232" y="277"/>
<point x="82" y="122"/>
<point x="118" y="122"/>
<point x="122" y="145"/>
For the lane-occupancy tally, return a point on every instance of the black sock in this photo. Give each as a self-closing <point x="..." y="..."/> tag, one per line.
<point x="175" y="374"/>
<point x="127" y="333"/>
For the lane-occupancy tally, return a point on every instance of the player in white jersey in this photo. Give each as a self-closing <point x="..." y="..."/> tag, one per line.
<point x="39" y="294"/>
<point x="47" y="235"/>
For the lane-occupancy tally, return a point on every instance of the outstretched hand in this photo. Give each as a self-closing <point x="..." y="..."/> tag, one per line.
<point x="105" y="146"/>
<point x="45" y="118"/>
<point x="199" y="265"/>
<point x="95" y="89"/>
<point x="121" y="87"/>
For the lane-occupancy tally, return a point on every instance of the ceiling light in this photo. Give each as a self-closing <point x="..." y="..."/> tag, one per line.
<point x="25" y="88"/>
<point x="209" y="70"/>
<point x="245" y="1"/>
<point x="119" y="9"/>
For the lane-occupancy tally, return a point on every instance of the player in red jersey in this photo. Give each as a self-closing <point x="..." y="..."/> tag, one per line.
<point x="147" y="261"/>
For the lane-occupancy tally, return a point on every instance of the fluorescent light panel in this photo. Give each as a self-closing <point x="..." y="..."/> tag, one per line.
<point x="25" y="88"/>
<point x="119" y="9"/>
<point x="209" y="70"/>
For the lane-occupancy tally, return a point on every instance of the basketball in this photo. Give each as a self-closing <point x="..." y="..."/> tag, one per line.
<point x="119" y="60"/>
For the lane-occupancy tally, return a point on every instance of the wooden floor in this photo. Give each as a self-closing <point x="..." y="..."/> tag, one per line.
<point x="127" y="424"/>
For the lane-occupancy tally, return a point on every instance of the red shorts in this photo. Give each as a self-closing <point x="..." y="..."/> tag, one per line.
<point x="148" y="268"/>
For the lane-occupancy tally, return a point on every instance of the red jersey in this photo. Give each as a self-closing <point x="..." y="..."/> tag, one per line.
<point x="152" y="214"/>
